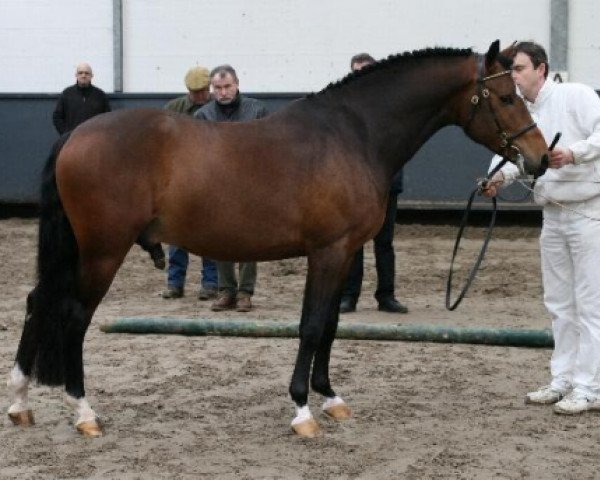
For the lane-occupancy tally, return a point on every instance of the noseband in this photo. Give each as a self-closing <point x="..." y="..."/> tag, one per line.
<point x="482" y="93"/>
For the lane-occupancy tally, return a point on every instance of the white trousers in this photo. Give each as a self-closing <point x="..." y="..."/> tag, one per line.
<point x="570" y="251"/>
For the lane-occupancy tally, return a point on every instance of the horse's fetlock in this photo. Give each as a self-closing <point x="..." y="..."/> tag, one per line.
<point x="299" y="393"/>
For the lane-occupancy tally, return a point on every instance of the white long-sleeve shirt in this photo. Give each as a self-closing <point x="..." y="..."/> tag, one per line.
<point x="574" y="110"/>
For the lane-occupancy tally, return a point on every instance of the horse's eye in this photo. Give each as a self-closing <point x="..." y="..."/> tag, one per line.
<point x="506" y="99"/>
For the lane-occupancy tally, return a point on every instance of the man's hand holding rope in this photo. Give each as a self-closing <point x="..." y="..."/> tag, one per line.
<point x="559" y="157"/>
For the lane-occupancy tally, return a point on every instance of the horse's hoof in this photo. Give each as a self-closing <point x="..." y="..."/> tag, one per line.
<point x="309" y="428"/>
<point x="160" y="263"/>
<point x="92" y="428"/>
<point x="339" y="412"/>
<point x="23" y="418"/>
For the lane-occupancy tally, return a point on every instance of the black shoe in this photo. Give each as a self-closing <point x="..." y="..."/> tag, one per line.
<point x="391" y="305"/>
<point x="347" y="305"/>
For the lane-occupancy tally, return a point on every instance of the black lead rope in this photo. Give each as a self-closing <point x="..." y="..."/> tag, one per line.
<point x="452" y="305"/>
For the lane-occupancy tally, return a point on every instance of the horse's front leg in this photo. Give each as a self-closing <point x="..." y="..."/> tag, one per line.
<point x="333" y="406"/>
<point x="326" y="273"/>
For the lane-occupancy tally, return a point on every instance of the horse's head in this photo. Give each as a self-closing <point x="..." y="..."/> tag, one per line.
<point x="497" y="116"/>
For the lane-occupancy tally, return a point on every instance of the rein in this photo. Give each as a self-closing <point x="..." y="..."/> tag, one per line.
<point x="506" y="143"/>
<point x="463" y="223"/>
<point x="452" y="305"/>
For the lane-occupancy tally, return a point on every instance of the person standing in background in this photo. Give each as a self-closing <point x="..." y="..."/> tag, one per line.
<point x="197" y="81"/>
<point x="79" y="102"/>
<point x="230" y="106"/>
<point x="382" y="243"/>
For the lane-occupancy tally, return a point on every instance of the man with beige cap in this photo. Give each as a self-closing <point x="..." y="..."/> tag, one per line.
<point x="197" y="81"/>
<point x="79" y="102"/>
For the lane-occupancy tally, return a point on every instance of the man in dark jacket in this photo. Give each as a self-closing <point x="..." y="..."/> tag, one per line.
<point x="229" y="105"/>
<point x="79" y="102"/>
<point x="384" y="248"/>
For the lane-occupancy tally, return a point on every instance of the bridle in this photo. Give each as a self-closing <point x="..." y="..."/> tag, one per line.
<point x="506" y="142"/>
<point x="482" y="93"/>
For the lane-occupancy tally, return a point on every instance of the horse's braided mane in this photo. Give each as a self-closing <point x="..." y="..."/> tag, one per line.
<point x="398" y="59"/>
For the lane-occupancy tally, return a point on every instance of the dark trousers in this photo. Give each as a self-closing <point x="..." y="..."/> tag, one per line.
<point x="384" y="259"/>
<point x="228" y="282"/>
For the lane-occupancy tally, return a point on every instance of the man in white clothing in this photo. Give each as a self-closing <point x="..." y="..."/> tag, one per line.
<point x="570" y="239"/>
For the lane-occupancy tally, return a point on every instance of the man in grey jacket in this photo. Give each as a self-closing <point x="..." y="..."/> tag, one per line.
<point x="229" y="105"/>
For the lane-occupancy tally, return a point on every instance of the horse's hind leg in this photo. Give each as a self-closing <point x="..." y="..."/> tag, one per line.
<point x="18" y="382"/>
<point x="87" y="421"/>
<point x="96" y="277"/>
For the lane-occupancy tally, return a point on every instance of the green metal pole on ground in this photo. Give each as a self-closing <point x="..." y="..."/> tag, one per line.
<point x="352" y="331"/>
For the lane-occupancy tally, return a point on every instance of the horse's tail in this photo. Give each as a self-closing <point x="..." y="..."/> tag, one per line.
<point x="54" y="306"/>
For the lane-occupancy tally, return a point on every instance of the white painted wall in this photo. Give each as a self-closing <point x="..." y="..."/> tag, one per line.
<point x="298" y="46"/>
<point x="41" y="42"/>
<point x="275" y="45"/>
<point x="584" y="42"/>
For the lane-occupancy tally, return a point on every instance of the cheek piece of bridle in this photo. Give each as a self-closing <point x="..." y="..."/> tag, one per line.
<point x="506" y="139"/>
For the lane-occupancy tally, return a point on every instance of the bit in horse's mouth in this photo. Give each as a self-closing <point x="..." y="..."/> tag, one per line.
<point x="543" y="166"/>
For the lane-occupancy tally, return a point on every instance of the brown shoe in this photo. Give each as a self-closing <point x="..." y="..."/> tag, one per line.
<point x="225" y="301"/>
<point x="244" y="304"/>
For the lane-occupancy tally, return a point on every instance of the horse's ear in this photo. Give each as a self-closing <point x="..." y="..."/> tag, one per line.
<point x="510" y="50"/>
<point x="492" y="53"/>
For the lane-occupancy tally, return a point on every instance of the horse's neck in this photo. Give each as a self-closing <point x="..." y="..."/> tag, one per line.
<point x="396" y="117"/>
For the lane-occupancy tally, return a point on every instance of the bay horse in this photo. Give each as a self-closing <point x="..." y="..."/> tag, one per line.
<point x="310" y="180"/>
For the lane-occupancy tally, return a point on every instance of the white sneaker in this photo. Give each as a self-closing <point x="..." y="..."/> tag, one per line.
<point x="545" y="395"/>
<point x="576" y="403"/>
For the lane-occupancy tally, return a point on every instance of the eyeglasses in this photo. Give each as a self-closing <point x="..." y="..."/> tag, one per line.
<point x="84" y="73"/>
